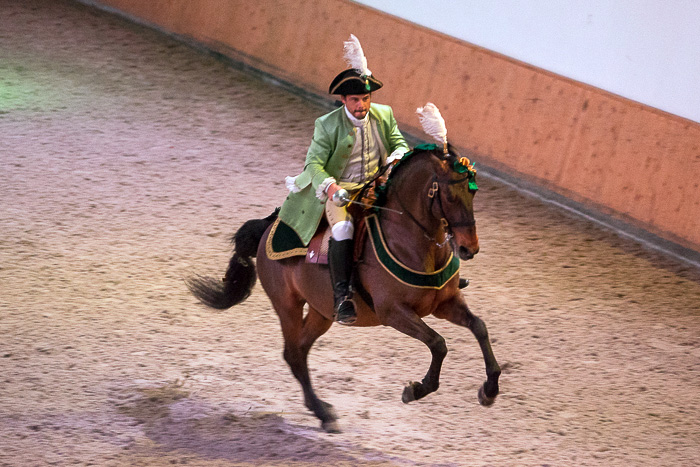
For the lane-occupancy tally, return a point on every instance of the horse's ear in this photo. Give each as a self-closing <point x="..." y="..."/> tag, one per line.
<point x="453" y="151"/>
<point x="445" y="165"/>
<point x="449" y="159"/>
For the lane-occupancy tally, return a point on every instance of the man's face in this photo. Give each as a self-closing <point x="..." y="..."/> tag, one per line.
<point x="357" y="104"/>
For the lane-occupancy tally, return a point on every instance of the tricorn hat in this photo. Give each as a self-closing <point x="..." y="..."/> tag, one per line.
<point x="352" y="82"/>
<point x="357" y="79"/>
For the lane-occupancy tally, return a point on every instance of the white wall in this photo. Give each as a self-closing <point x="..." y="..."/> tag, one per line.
<point x="644" y="50"/>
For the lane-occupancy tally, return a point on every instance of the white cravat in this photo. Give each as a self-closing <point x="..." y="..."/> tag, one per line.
<point x="355" y="121"/>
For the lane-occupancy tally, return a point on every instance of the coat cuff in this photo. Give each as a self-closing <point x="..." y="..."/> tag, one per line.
<point x="291" y="184"/>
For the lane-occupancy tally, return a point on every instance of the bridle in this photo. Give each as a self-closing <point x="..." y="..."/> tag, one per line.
<point x="434" y="193"/>
<point x="436" y="188"/>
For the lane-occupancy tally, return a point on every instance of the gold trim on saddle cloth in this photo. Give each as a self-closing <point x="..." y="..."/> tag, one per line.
<point x="275" y="255"/>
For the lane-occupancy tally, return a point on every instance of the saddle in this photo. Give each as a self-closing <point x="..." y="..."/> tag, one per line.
<point x="283" y="242"/>
<point x="318" y="246"/>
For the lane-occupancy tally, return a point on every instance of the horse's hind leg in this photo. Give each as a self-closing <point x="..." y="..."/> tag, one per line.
<point x="459" y="314"/>
<point x="299" y="336"/>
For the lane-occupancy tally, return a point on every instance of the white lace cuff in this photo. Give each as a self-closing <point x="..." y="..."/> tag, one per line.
<point x="321" y="190"/>
<point x="291" y="184"/>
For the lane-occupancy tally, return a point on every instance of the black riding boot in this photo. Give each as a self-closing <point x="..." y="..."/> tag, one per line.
<point x="340" y="262"/>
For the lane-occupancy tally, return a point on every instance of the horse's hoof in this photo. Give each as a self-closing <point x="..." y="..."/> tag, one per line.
<point x="409" y="394"/>
<point x="330" y="410"/>
<point x="485" y="400"/>
<point x="331" y="426"/>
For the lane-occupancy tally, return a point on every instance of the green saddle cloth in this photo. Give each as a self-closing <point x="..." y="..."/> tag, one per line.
<point x="283" y="242"/>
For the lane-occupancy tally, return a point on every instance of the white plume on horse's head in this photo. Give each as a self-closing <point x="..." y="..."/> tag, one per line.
<point x="432" y="122"/>
<point x="355" y="57"/>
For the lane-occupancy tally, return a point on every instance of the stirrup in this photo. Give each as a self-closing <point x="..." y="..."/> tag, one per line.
<point x="345" y="311"/>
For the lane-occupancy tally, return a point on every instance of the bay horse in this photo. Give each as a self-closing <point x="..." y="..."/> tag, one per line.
<point x="428" y="218"/>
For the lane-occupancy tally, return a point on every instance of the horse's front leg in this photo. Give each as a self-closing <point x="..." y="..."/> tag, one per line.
<point x="457" y="311"/>
<point x="407" y="322"/>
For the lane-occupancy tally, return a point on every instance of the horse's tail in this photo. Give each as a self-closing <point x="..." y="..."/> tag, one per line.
<point x="241" y="274"/>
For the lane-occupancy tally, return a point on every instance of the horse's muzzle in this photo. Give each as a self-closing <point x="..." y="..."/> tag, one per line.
<point x="467" y="253"/>
<point x="465" y="243"/>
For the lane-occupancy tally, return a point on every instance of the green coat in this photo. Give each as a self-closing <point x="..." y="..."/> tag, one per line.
<point x="332" y="143"/>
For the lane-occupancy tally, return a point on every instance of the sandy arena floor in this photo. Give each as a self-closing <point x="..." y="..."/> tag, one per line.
<point x="126" y="161"/>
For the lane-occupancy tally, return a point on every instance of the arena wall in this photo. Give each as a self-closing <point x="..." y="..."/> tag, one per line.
<point x="609" y="156"/>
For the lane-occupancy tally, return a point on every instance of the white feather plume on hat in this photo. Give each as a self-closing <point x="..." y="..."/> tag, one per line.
<point x="355" y="57"/>
<point x="432" y="122"/>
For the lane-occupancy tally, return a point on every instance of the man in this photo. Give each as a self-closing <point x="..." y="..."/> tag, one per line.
<point x="349" y="146"/>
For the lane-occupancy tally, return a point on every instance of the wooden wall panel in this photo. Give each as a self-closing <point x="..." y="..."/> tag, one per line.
<point x="629" y="161"/>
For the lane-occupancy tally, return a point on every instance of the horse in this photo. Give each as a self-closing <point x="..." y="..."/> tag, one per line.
<point x="426" y="218"/>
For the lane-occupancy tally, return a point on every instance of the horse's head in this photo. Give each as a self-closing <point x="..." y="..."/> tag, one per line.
<point x="453" y="194"/>
<point x="435" y="191"/>
<point x="453" y="185"/>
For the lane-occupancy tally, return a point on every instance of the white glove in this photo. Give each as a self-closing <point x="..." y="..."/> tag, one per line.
<point x="396" y="155"/>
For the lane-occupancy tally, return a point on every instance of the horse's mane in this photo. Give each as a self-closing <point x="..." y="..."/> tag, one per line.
<point x="433" y="149"/>
<point x="418" y="153"/>
<point x="408" y="159"/>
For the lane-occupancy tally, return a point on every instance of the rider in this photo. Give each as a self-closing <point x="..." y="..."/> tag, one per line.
<point x="349" y="146"/>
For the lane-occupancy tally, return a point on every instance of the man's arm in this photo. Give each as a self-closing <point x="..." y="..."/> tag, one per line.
<point x="320" y="150"/>
<point x="397" y="143"/>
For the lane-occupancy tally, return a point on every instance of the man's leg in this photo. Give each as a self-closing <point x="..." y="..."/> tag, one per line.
<point x="340" y="262"/>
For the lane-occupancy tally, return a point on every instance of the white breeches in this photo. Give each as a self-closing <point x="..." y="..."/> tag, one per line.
<point x="340" y="222"/>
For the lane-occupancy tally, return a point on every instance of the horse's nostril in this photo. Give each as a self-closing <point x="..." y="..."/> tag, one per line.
<point x="465" y="254"/>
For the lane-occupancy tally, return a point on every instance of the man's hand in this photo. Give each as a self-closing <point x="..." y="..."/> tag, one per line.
<point x="339" y="196"/>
